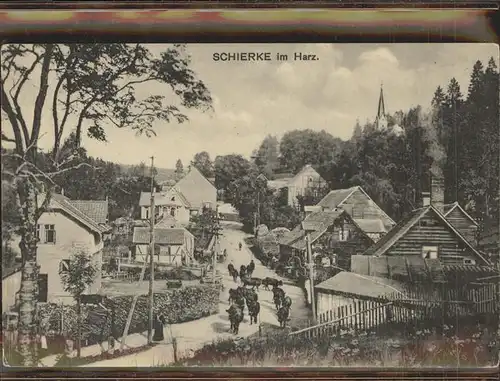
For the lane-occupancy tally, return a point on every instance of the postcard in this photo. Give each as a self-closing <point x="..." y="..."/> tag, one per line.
<point x="250" y="205"/>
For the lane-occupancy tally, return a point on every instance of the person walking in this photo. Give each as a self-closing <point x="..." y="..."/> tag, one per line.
<point x="240" y="246"/>
<point x="158" y="328"/>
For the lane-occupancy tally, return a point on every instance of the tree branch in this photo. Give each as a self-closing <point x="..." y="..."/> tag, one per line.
<point x="42" y="94"/>
<point x="15" y="99"/>
<point x="11" y="114"/>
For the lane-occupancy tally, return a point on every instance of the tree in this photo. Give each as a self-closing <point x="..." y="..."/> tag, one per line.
<point x="91" y="86"/>
<point x="301" y="147"/>
<point x="203" y="163"/>
<point x="229" y="168"/>
<point x="267" y="156"/>
<point x="179" y="169"/>
<point x="77" y="278"/>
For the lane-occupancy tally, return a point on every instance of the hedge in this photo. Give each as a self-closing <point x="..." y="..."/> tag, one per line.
<point x="176" y="305"/>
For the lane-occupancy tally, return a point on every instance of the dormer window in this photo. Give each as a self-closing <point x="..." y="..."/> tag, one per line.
<point x="468" y="261"/>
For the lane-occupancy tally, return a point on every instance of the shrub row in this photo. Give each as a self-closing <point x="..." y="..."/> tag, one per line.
<point x="176" y="305"/>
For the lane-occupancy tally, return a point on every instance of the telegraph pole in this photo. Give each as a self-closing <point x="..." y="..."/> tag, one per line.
<point x="151" y="253"/>
<point x="216" y="246"/>
<point x="311" y="274"/>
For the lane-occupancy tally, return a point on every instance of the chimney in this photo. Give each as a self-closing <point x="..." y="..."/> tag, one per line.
<point x="437" y="192"/>
<point x="426" y="199"/>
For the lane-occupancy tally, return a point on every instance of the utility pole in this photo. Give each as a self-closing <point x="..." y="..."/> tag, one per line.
<point x="151" y="253"/>
<point x="311" y="274"/>
<point x="216" y="245"/>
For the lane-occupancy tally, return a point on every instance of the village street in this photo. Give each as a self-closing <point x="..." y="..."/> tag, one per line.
<point x="195" y="334"/>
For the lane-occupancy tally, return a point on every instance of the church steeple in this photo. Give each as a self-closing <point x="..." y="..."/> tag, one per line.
<point x="381" y="120"/>
<point x="381" y="105"/>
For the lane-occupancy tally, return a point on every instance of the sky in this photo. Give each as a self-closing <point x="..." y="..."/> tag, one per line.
<point x="254" y="99"/>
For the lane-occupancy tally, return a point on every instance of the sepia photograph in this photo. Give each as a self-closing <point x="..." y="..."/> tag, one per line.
<point x="250" y="205"/>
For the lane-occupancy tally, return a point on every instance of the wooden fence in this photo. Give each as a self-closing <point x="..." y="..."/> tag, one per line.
<point x="359" y="316"/>
<point x="407" y="308"/>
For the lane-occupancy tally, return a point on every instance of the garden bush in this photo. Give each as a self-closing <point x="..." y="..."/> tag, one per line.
<point x="176" y="305"/>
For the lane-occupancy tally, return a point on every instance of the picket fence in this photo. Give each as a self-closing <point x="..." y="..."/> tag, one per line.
<point x="410" y="306"/>
<point x="359" y="316"/>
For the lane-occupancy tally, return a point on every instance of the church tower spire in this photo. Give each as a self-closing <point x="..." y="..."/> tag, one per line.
<point x="381" y="120"/>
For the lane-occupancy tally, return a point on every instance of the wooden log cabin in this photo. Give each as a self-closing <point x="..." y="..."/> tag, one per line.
<point x="428" y="234"/>
<point x="355" y="201"/>
<point x="335" y="237"/>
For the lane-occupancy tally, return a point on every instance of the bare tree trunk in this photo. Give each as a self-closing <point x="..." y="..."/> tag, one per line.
<point x="29" y="278"/>
<point x="79" y="327"/>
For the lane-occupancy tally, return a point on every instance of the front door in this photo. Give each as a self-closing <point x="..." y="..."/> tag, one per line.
<point x="43" y="287"/>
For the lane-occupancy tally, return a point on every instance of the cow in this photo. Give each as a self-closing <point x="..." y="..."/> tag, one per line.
<point x="250" y="268"/>
<point x="240" y="302"/>
<point x="234" y="274"/>
<point x="251" y="295"/>
<point x="254" y="282"/>
<point x="235" y="317"/>
<point x="287" y="302"/>
<point x="266" y="282"/>
<point x="278" y="296"/>
<point x="243" y="272"/>
<point x="253" y="311"/>
<point x="283" y="316"/>
<point x="233" y="295"/>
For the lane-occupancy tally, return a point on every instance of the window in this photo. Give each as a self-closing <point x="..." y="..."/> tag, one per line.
<point x="468" y="261"/>
<point x="38" y="228"/>
<point x="50" y="234"/>
<point x="207" y="205"/>
<point x="172" y="212"/>
<point x="147" y="214"/>
<point x="430" y="252"/>
<point x="343" y="234"/>
<point x="64" y="266"/>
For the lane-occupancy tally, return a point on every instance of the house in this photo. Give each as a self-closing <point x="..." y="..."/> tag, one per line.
<point x="186" y="198"/>
<point x="462" y="221"/>
<point x="355" y="201"/>
<point x="170" y="202"/>
<point x="198" y="190"/>
<point x="173" y="245"/>
<point x="428" y="234"/>
<point x="63" y="229"/>
<point x="305" y="181"/>
<point x="334" y="237"/>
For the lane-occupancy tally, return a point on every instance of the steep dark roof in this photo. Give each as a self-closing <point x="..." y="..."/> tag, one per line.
<point x="396" y="232"/>
<point x="163" y="236"/>
<point x="336" y="197"/>
<point x="59" y="201"/>
<point x="96" y="210"/>
<point x="447" y="209"/>
<point x="406" y="224"/>
<point x="321" y="219"/>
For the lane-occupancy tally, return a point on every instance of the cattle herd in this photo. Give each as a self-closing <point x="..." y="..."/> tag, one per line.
<point x="246" y="294"/>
